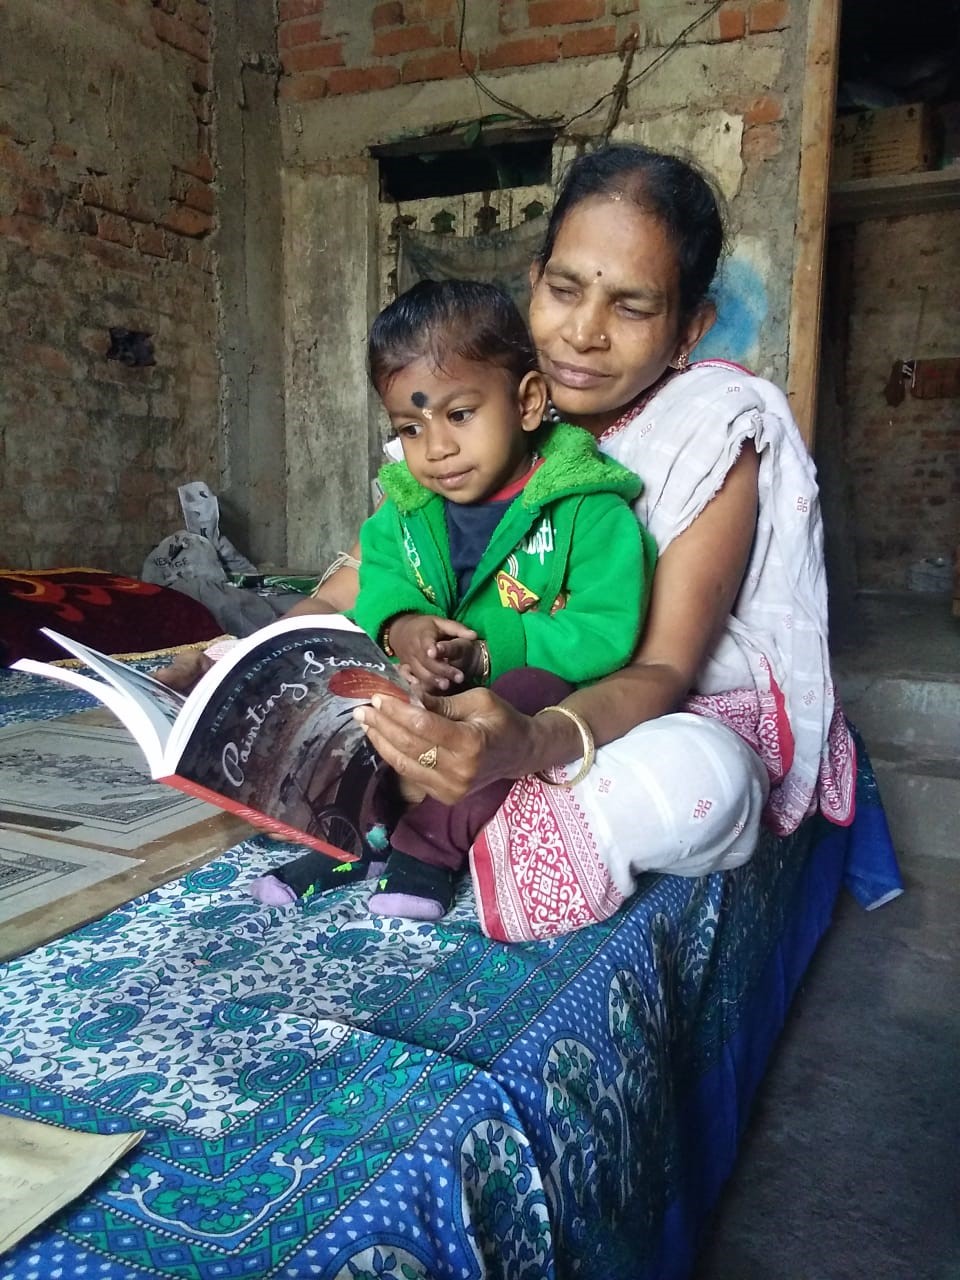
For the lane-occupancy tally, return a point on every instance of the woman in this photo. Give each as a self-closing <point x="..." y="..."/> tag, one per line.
<point x="726" y="713"/>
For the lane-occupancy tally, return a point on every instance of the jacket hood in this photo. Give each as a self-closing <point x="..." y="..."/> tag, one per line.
<point x="572" y="464"/>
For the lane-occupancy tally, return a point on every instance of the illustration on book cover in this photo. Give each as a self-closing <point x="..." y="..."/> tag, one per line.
<point x="279" y="736"/>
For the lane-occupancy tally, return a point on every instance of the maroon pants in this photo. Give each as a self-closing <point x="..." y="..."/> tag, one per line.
<point x="442" y="834"/>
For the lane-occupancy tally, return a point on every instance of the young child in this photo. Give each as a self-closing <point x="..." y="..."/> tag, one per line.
<point x="499" y="556"/>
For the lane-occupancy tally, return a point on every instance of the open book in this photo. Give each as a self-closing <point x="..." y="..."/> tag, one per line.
<point x="268" y="732"/>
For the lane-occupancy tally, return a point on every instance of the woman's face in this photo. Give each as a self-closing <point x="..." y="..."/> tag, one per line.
<point x="605" y="312"/>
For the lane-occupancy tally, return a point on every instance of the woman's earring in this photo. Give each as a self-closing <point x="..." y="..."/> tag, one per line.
<point x="682" y="361"/>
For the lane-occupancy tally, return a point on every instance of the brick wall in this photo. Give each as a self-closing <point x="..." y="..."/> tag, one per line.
<point x="329" y="49"/>
<point x="107" y="207"/>
<point x="904" y="459"/>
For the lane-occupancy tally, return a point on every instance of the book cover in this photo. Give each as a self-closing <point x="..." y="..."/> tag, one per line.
<point x="277" y="736"/>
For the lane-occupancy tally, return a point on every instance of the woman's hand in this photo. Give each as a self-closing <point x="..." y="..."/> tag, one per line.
<point x="478" y="738"/>
<point x="434" y="652"/>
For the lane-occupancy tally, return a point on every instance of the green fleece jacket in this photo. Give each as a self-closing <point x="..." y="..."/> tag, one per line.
<point x="565" y="579"/>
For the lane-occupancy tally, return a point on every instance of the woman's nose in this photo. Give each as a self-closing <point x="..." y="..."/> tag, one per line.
<point x="584" y="328"/>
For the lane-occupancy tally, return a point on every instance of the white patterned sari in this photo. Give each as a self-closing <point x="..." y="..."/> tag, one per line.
<point x="761" y="738"/>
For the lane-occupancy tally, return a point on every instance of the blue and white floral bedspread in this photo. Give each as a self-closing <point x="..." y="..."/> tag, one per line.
<point x="332" y="1094"/>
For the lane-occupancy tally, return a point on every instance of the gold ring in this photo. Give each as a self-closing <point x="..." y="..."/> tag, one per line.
<point x="428" y="758"/>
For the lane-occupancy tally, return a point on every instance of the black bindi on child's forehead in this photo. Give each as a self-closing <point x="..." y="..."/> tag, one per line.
<point x="599" y="274"/>
<point x="420" y="399"/>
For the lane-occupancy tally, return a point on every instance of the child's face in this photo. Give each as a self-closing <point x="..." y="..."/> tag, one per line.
<point x="464" y="428"/>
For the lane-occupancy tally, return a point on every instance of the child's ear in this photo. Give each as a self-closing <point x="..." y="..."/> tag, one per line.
<point x="532" y="398"/>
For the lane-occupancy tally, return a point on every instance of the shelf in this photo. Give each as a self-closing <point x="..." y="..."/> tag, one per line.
<point x="895" y="195"/>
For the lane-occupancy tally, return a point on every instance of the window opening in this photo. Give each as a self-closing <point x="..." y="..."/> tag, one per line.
<point x="425" y="168"/>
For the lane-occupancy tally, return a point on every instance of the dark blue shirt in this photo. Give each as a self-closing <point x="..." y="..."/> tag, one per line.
<point x="470" y="527"/>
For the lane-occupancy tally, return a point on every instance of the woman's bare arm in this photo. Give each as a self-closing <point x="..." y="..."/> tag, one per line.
<point x="694" y="587"/>
<point x="337" y="594"/>
<point x="479" y="738"/>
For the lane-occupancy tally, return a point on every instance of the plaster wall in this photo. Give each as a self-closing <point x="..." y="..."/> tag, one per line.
<point x="252" y="488"/>
<point x="362" y="74"/>
<point x="106" y="213"/>
<point x="329" y="279"/>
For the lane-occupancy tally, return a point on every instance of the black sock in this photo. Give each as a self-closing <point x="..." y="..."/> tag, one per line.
<point x="412" y="890"/>
<point x="313" y="870"/>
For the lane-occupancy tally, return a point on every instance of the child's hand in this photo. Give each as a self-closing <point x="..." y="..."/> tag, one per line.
<point x="420" y="641"/>
<point x="465" y="655"/>
<point x="469" y="659"/>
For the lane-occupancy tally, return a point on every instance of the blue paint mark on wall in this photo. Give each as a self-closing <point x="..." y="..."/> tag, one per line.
<point x="741" y="298"/>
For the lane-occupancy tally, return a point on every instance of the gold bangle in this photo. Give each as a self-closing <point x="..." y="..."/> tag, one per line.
<point x="385" y="642"/>
<point x="484" y="662"/>
<point x="589" y="748"/>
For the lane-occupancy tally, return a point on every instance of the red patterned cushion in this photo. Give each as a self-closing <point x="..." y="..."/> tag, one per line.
<point x="105" y="610"/>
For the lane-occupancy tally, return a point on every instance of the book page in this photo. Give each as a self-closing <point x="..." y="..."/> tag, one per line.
<point x="43" y="1168"/>
<point x="148" y="719"/>
<point x="122" y="675"/>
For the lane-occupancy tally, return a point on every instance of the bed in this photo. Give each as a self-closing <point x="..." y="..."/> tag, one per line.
<point x="331" y="1094"/>
<point x="109" y="611"/>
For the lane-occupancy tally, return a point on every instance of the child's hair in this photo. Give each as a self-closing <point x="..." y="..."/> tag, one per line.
<point x="438" y="319"/>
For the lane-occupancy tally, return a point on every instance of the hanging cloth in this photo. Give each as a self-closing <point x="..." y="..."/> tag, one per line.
<point x="500" y="257"/>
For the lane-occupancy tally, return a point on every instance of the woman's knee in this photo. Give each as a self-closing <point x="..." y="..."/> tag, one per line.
<point x="695" y="798"/>
<point x="722" y="790"/>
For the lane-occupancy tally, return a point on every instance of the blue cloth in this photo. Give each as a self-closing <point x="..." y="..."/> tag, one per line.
<point x="331" y="1094"/>
<point x="871" y="872"/>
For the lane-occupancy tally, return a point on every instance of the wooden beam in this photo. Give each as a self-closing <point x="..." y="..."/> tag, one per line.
<point x="816" y="138"/>
<point x="895" y="195"/>
<point x="455" y="139"/>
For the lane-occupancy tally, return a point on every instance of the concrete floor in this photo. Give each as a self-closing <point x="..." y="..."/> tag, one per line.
<point x="849" y="1167"/>
<point x="902" y="633"/>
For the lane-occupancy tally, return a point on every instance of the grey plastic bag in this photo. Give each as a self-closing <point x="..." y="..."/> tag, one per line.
<point x="190" y="563"/>
<point x="201" y="514"/>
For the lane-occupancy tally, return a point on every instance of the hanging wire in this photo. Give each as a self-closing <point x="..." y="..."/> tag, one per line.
<point x="501" y="102"/>
<point x="618" y="99"/>
<point x="664" y="53"/>
<point x="617" y="94"/>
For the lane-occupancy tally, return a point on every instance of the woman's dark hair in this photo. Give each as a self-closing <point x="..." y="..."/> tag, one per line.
<point x="443" y="318"/>
<point x="665" y="186"/>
